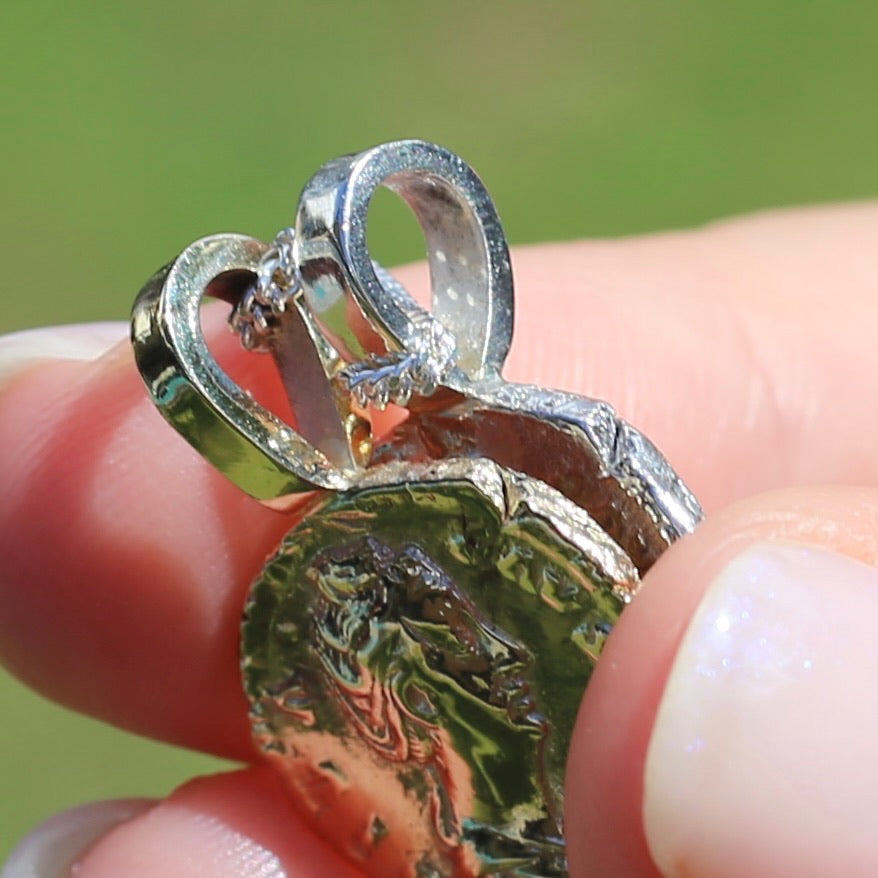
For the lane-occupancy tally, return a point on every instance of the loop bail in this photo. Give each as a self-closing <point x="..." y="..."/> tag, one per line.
<point x="471" y="276"/>
<point x="249" y="444"/>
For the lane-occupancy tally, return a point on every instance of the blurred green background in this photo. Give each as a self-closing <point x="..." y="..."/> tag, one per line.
<point x="127" y="130"/>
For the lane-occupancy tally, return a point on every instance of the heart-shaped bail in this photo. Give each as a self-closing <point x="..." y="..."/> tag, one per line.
<point x="467" y="335"/>
<point x="258" y="451"/>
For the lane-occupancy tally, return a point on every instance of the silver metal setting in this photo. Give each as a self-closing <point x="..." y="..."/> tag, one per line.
<point x="415" y="651"/>
<point x="469" y="260"/>
<point x="255" y="316"/>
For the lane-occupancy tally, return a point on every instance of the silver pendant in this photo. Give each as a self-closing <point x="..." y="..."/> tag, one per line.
<point x="415" y="651"/>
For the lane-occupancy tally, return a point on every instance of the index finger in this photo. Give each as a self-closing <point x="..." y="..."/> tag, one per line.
<point x="743" y="350"/>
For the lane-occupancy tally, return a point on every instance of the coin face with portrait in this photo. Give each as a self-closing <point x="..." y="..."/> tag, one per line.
<point x="414" y="655"/>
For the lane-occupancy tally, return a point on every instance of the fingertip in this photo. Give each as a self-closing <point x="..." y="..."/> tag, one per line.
<point x="126" y="556"/>
<point x="50" y="849"/>
<point x="606" y="799"/>
<point x="225" y="826"/>
<point x="78" y="342"/>
<point x="756" y="759"/>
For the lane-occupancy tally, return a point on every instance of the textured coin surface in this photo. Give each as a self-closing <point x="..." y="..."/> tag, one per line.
<point x="415" y="653"/>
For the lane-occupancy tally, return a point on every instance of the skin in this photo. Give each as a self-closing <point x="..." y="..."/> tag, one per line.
<point x="745" y="350"/>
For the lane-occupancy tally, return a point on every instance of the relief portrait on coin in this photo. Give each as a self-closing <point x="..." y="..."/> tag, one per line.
<point x="381" y="667"/>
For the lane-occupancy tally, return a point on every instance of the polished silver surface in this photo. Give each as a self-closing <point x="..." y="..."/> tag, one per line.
<point x="470" y="328"/>
<point x="256" y="315"/>
<point x="252" y="446"/>
<point x="416" y="650"/>
<point x="462" y="345"/>
<point x="577" y="445"/>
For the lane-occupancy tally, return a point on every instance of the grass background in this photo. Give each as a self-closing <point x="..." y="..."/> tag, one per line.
<point x="127" y="130"/>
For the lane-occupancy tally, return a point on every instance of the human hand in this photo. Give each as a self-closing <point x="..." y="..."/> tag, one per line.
<point x="745" y="351"/>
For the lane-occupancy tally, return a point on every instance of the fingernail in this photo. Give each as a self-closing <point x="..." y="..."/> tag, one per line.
<point x="50" y="850"/>
<point x="78" y="341"/>
<point x="762" y="759"/>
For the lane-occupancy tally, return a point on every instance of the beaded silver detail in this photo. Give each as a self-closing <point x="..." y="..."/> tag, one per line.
<point x="255" y="316"/>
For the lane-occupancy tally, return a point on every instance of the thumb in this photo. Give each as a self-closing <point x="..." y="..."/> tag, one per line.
<point x="729" y="729"/>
